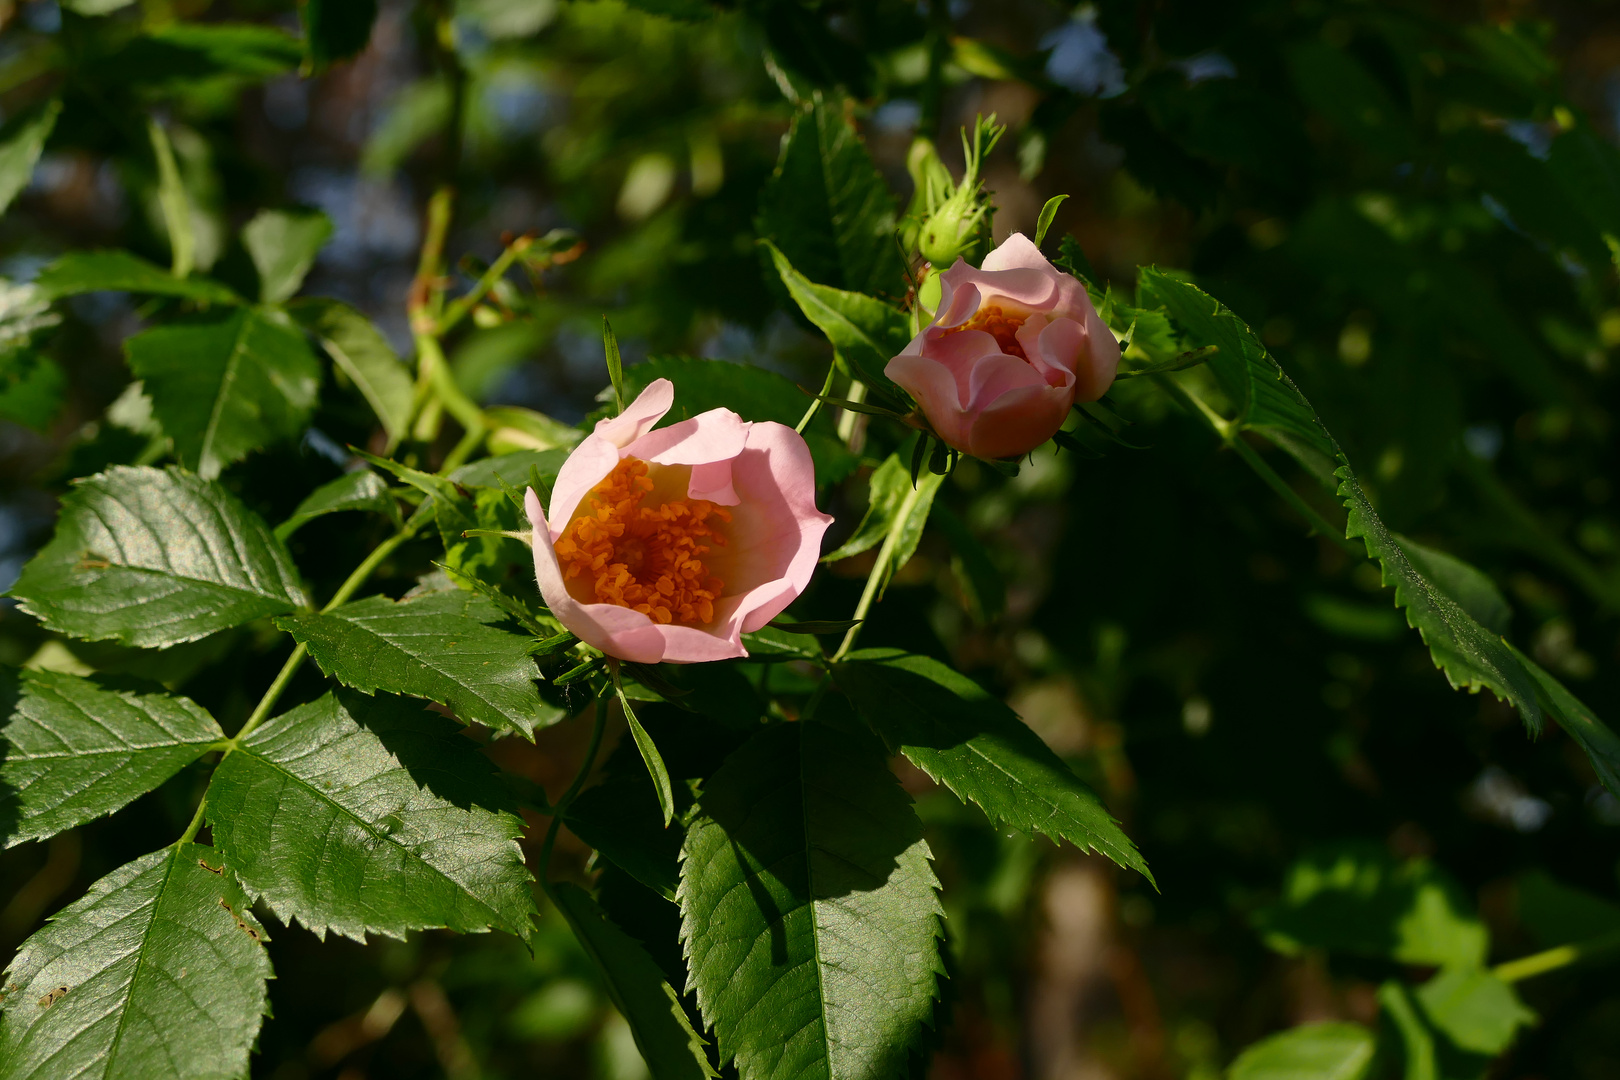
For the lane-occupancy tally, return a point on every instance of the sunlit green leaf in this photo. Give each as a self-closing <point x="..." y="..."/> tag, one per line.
<point x="80" y="272"/>
<point x="359" y="350"/>
<point x="1309" y="1052"/>
<point x="443" y="646"/>
<point x="948" y="726"/>
<point x="21" y="143"/>
<point x="868" y="333"/>
<point x="1477" y="1011"/>
<point x="283" y="245"/>
<point x="225" y="384"/>
<point x="73" y="749"/>
<point x="1356" y="899"/>
<point x="828" y="209"/>
<point x="808" y="908"/>
<point x="154" y="557"/>
<point x="360" y="815"/>
<point x="159" y="970"/>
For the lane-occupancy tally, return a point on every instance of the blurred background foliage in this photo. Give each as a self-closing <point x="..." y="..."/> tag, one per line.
<point x="1414" y="203"/>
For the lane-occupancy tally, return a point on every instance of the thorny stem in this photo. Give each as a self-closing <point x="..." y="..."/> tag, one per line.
<point x="1552" y="959"/>
<point x="598" y="726"/>
<point x="1232" y="435"/>
<point x="874" y="580"/>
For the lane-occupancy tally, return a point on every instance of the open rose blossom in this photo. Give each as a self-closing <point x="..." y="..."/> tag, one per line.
<point x="1013" y="347"/>
<point x="669" y="545"/>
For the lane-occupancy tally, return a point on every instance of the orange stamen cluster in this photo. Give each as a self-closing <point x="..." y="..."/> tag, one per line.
<point x="649" y="558"/>
<point x="998" y="324"/>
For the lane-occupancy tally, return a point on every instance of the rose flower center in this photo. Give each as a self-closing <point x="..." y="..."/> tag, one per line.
<point x="998" y="324"/>
<point x="649" y="558"/>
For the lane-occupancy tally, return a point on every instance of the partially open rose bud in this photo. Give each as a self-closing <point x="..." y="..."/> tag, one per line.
<point x="669" y="545"/>
<point x="1012" y="347"/>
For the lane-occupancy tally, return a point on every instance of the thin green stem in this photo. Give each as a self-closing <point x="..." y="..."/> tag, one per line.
<point x="459" y="307"/>
<point x="1231" y="434"/>
<point x="598" y="727"/>
<point x="815" y="406"/>
<point x="874" y="580"/>
<point x="346" y="590"/>
<point x="196" y="821"/>
<point x="1552" y="959"/>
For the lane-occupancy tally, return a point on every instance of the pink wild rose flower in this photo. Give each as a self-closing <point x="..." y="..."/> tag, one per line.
<point x="1013" y="346"/>
<point x="669" y="545"/>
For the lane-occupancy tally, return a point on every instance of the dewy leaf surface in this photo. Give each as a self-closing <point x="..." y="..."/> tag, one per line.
<point x="73" y="749"/>
<point x="154" y="557"/>
<point x="225" y="384"/>
<point x="360" y="351"/>
<point x="164" y="975"/>
<point x="664" y="1035"/>
<point x="440" y="646"/>
<point x="360" y="815"/>
<point x="951" y="728"/>
<point x="808" y="909"/>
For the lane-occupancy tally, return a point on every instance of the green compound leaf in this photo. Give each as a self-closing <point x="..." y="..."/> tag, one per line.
<point x="363" y="816"/>
<point x="951" y="728"/>
<point x="808" y="908"/>
<point x="80" y="272"/>
<point x="20" y="146"/>
<point x="441" y="646"/>
<point x="73" y="749"/>
<point x="1354" y="898"/>
<point x="154" y="557"/>
<point x="1316" y="1051"/>
<point x="828" y="209"/>
<point x="159" y="970"/>
<point x="867" y="332"/>
<point x="664" y="1035"/>
<point x="358" y="490"/>
<point x="363" y="355"/>
<point x="225" y="384"/>
<point x="283" y="245"/>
